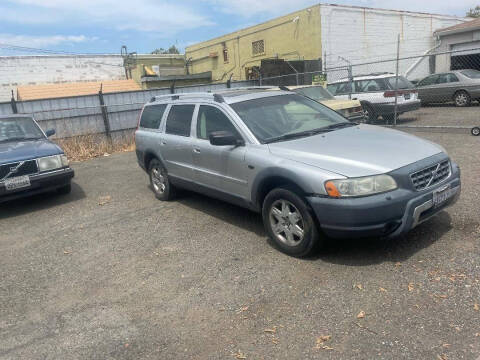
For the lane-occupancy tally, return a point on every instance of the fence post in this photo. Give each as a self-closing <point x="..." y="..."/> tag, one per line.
<point x="396" y="83"/>
<point x="103" y="107"/>
<point x="13" y="103"/>
<point x="350" y="80"/>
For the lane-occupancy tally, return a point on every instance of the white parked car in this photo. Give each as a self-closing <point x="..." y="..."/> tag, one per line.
<point x="376" y="94"/>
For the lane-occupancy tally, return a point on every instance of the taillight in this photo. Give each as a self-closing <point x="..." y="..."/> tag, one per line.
<point x="390" y="93"/>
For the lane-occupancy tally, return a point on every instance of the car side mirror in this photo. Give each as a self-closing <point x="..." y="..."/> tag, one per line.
<point x="50" y="132"/>
<point x="224" y="138"/>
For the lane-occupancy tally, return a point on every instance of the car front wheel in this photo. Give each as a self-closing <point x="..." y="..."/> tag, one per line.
<point x="289" y="223"/>
<point x="159" y="181"/>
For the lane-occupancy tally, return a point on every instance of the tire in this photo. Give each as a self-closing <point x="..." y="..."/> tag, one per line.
<point x="161" y="186"/>
<point x="475" y="131"/>
<point x="369" y="113"/>
<point x="65" y="190"/>
<point x="462" y="99"/>
<point x="289" y="223"/>
<point x="389" y="117"/>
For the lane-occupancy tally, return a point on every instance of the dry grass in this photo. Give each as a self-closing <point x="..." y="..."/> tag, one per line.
<point x="86" y="147"/>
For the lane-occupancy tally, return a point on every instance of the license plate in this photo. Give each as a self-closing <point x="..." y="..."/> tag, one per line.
<point x="442" y="195"/>
<point x="17" y="182"/>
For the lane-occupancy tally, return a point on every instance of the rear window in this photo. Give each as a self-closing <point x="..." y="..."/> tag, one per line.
<point x="152" y="115"/>
<point x="403" y="83"/>
<point x="179" y="120"/>
<point x="370" y="85"/>
<point x="472" y="74"/>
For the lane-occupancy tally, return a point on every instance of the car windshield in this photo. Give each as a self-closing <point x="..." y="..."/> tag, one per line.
<point x="273" y="117"/>
<point x="403" y="83"/>
<point x="472" y="74"/>
<point x="315" y="92"/>
<point x="19" y="128"/>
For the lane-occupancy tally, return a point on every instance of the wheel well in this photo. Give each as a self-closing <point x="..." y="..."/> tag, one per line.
<point x="271" y="183"/>
<point x="148" y="158"/>
<point x="460" y="90"/>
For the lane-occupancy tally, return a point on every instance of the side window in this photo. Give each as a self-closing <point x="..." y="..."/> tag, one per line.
<point x="342" y="88"/>
<point x="212" y="119"/>
<point x="179" y="120"/>
<point x="370" y="85"/>
<point x="452" y="78"/>
<point x="332" y="88"/>
<point x="428" y="80"/>
<point x="152" y="115"/>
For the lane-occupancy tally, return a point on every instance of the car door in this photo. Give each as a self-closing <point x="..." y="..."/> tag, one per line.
<point x="448" y="85"/>
<point x="221" y="168"/>
<point x="427" y="89"/>
<point x="176" y="142"/>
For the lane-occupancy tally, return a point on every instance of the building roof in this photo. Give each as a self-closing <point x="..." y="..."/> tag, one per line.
<point x="50" y="91"/>
<point x="466" y="26"/>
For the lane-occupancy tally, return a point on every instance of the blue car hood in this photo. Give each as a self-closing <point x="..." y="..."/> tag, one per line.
<point x="26" y="150"/>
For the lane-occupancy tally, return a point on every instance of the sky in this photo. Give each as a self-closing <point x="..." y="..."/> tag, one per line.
<point x="103" y="26"/>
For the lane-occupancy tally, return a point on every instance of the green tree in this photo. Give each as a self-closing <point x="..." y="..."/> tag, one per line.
<point x="474" y="13"/>
<point x="171" y="50"/>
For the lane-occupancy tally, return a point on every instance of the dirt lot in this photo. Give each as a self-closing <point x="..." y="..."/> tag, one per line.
<point x="111" y="273"/>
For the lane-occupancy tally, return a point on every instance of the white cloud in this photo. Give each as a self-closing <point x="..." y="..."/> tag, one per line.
<point x="42" y="41"/>
<point x="142" y="15"/>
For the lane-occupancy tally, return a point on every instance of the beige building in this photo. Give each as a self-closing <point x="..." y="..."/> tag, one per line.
<point x="295" y="36"/>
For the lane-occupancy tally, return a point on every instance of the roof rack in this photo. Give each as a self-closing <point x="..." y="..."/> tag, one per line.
<point x="197" y="95"/>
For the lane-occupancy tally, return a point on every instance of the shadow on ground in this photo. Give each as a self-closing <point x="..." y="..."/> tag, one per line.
<point x="350" y="252"/>
<point x="39" y="202"/>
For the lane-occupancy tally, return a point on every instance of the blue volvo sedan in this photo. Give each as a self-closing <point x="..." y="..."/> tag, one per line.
<point x="29" y="162"/>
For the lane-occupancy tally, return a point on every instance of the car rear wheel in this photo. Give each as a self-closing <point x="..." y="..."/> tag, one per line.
<point x="476" y="131"/>
<point x="369" y="113"/>
<point x="159" y="181"/>
<point x="289" y="223"/>
<point x="462" y="99"/>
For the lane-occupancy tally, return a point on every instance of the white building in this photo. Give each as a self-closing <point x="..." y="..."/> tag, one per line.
<point x="359" y="35"/>
<point x="53" y="69"/>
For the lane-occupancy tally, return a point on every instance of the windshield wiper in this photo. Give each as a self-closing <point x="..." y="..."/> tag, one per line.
<point x="296" y="135"/>
<point x="341" y="125"/>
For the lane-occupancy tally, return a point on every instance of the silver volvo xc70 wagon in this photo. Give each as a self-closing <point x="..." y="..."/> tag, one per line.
<point x="308" y="170"/>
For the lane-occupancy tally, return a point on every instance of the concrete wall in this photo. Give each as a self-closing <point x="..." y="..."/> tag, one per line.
<point x="34" y="70"/>
<point x="295" y="36"/>
<point x="448" y="41"/>
<point x="365" y="35"/>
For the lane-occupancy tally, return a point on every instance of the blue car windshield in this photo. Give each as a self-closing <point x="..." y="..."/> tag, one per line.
<point x="18" y="129"/>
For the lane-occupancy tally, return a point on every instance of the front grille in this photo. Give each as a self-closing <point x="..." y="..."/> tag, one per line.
<point x="431" y="175"/>
<point x="28" y="167"/>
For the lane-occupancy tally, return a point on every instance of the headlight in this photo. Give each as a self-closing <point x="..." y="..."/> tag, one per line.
<point x="363" y="186"/>
<point x="65" y="161"/>
<point x="50" y="163"/>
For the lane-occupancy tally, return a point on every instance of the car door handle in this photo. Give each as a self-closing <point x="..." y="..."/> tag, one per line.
<point x="163" y="142"/>
<point x="196" y="150"/>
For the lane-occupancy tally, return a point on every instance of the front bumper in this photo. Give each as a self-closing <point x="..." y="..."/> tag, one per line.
<point x="403" y="107"/>
<point x="384" y="215"/>
<point x="39" y="183"/>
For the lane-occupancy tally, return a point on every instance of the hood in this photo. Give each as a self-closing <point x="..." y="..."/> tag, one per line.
<point x="341" y="104"/>
<point x="357" y="151"/>
<point x="25" y="150"/>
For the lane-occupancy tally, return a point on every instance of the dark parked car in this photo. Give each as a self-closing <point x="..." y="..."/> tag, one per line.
<point x="29" y="162"/>
<point x="460" y="86"/>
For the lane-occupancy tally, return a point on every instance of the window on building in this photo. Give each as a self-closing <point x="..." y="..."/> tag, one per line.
<point x="258" y="47"/>
<point x="211" y="119"/>
<point x="179" y="120"/>
<point x="152" y="115"/>
<point x="225" y="55"/>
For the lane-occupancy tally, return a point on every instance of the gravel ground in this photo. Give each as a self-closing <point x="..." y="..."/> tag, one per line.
<point x="109" y="272"/>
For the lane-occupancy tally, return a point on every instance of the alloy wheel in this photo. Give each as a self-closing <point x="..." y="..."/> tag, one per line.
<point x="158" y="180"/>
<point x="461" y="99"/>
<point x="286" y="222"/>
